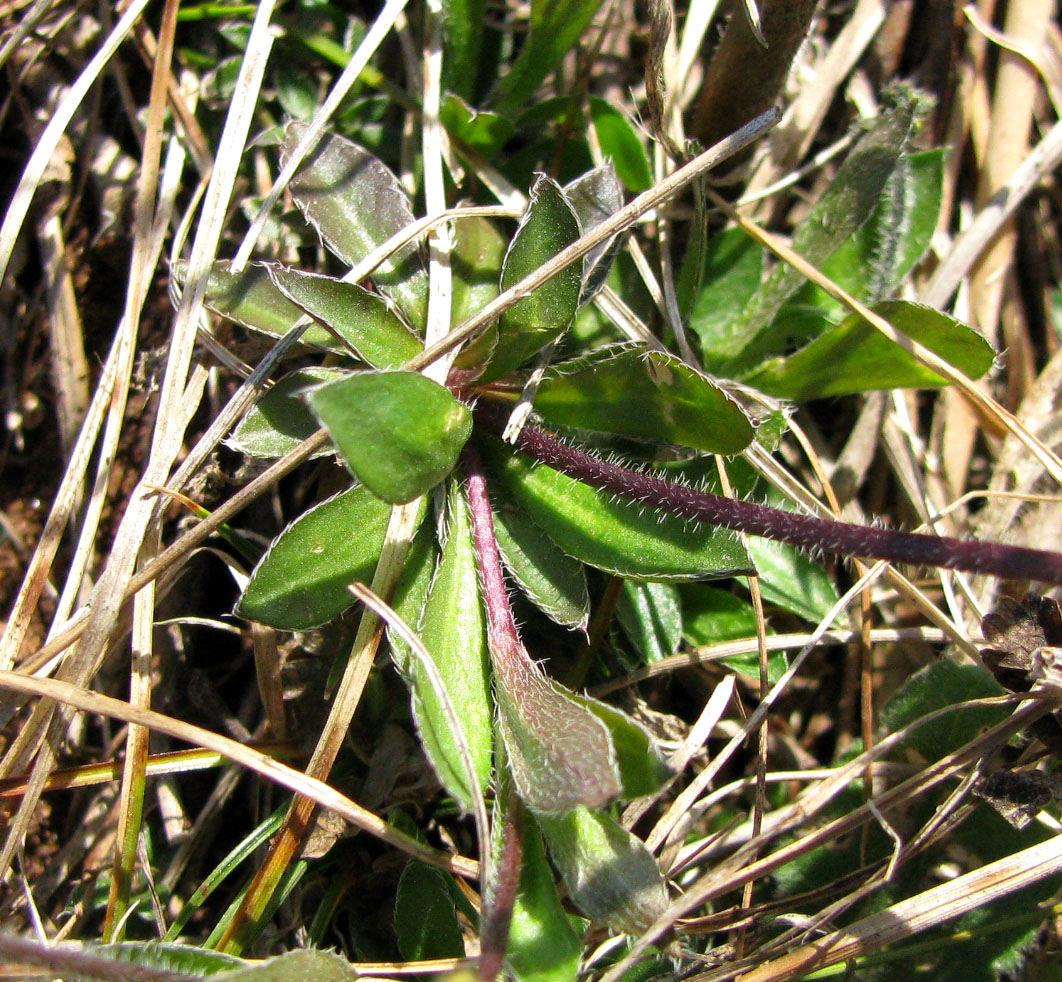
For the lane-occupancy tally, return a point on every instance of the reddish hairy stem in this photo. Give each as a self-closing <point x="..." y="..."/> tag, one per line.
<point x="840" y="538"/>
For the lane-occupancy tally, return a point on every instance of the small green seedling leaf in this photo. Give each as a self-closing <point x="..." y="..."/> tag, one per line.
<point x="252" y="299"/>
<point x="610" y="874"/>
<point x="856" y="357"/>
<point x="543" y="946"/>
<point x="549" y="225"/>
<point x="453" y="629"/>
<point x="616" y="535"/>
<point x="280" y="420"/>
<point x="619" y="141"/>
<point x="360" y="318"/>
<point x="426" y="923"/>
<point x="552" y="580"/>
<point x="399" y="432"/>
<point x="302" y="580"/>
<point x="476" y="261"/>
<point x="357" y="204"/>
<point x="635" y="391"/>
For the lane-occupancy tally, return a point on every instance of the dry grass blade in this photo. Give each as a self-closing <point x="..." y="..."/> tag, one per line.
<point x="270" y="768"/>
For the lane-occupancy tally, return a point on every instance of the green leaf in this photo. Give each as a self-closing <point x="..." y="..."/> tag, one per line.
<point x="642" y="769"/>
<point x="543" y="946"/>
<point x="252" y="299"/>
<point x="651" y="617"/>
<point x="302" y="580"/>
<point x="360" y="318"/>
<point x="613" y="534"/>
<point x="791" y="580"/>
<point x="734" y="268"/>
<point x="453" y="629"/>
<point x="711" y="615"/>
<point x="845" y="205"/>
<point x="871" y="264"/>
<point x="640" y="392"/>
<point x="399" y="432"/>
<point x="280" y="420"/>
<point x="610" y="874"/>
<point x="560" y="753"/>
<point x="463" y="22"/>
<point x="596" y="196"/>
<point x="555" y="26"/>
<point x="178" y="958"/>
<point x="426" y="923"/>
<point x="944" y="683"/>
<point x="476" y="261"/>
<point x="551" y="579"/>
<point x="357" y="204"/>
<point x="549" y="225"/>
<point x="619" y="140"/>
<point x="300" y="965"/>
<point x="856" y="357"/>
<point x="484" y="132"/>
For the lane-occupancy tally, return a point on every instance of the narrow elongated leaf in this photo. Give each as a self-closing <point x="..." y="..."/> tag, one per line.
<point x="360" y="318"/>
<point x="302" y="580"/>
<point x="639" y="392"/>
<point x="846" y="204"/>
<point x="463" y="22"/>
<point x="610" y="874"/>
<point x="399" y="432"/>
<point x="855" y="357"/>
<point x="615" y="535"/>
<point x="553" y="581"/>
<point x="453" y="629"/>
<point x="543" y="947"/>
<point x="548" y="225"/>
<point x="357" y="204"/>
<point x="280" y="420"/>
<point x="425" y="917"/>
<point x="555" y="26"/>
<point x="252" y="299"/>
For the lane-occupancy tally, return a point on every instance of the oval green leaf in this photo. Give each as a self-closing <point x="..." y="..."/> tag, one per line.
<point x="357" y="204"/>
<point x="302" y="580"/>
<point x="653" y="395"/>
<point x="280" y="420"/>
<point x="399" y="432"/>
<point x="252" y="299"/>
<point x="426" y="923"/>
<point x="616" y="535"/>
<point x="360" y="318"/>
<point x="610" y="874"/>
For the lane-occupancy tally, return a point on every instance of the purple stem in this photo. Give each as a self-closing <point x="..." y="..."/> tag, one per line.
<point x="807" y="532"/>
<point x="499" y="898"/>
